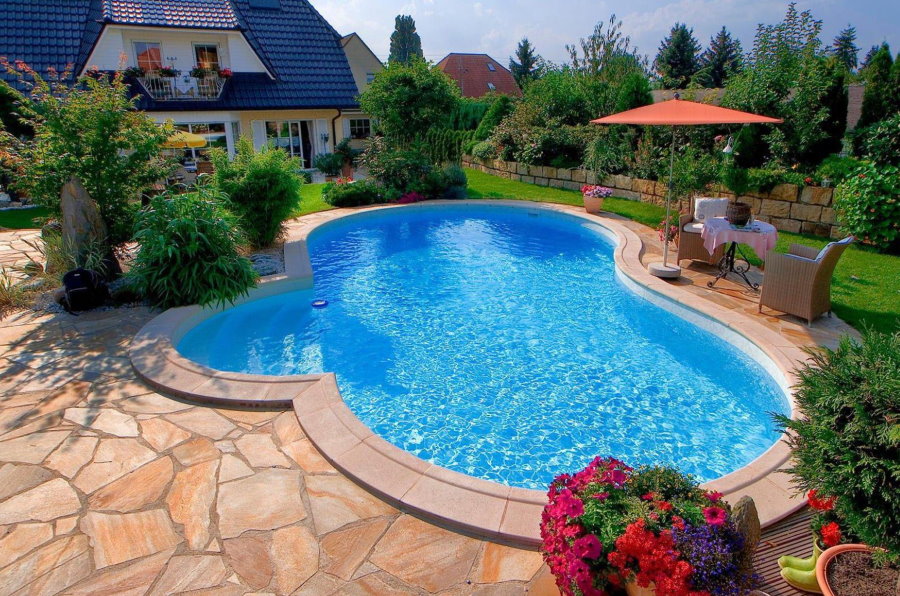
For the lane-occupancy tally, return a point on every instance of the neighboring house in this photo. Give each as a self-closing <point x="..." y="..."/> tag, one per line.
<point x="273" y="70"/>
<point x="479" y="74"/>
<point x="365" y="65"/>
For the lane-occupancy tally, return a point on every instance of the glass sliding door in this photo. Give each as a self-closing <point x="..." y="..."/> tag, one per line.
<point x="292" y="136"/>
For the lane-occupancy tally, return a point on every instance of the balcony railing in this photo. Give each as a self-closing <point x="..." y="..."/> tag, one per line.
<point x="183" y="88"/>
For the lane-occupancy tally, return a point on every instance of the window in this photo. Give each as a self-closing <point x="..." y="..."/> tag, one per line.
<point x="370" y="76"/>
<point x="492" y="87"/>
<point x="360" y="128"/>
<point x="214" y="132"/>
<point x="491" y="67"/>
<point x="148" y="55"/>
<point x="293" y="137"/>
<point x="207" y="55"/>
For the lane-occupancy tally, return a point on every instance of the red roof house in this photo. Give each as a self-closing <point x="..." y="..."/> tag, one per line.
<point x="479" y="74"/>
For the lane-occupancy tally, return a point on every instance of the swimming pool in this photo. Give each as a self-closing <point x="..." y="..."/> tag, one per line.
<point x="499" y="342"/>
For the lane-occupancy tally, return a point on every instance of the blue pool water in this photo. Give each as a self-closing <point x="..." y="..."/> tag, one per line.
<point x="499" y="342"/>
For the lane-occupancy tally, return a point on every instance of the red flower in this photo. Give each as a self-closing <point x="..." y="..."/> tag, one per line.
<point x="648" y="497"/>
<point x="714" y="496"/>
<point x="808" y="180"/>
<point x="831" y="534"/>
<point x="663" y="505"/>
<point x="820" y="503"/>
<point x="715" y="516"/>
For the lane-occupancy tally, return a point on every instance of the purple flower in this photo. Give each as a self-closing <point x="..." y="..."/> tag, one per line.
<point x="712" y="552"/>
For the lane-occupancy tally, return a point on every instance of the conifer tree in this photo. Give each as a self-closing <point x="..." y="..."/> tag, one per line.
<point x="524" y="65"/>
<point x="723" y="58"/>
<point x="406" y="45"/>
<point x="678" y="59"/>
<point x="845" y="49"/>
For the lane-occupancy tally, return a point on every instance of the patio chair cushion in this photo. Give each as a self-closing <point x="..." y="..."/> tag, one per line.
<point x="694" y="227"/>
<point x="824" y="251"/>
<point x="706" y="208"/>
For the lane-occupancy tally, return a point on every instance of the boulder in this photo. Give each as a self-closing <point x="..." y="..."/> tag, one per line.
<point x="746" y="521"/>
<point x="82" y="226"/>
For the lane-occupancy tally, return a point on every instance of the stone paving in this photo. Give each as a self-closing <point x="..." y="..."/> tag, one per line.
<point x="107" y="487"/>
<point x="16" y="250"/>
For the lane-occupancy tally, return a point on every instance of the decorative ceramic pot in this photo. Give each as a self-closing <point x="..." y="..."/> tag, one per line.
<point x="738" y="213"/>
<point x="827" y="557"/>
<point x="632" y="589"/>
<point x="801" y="573"/>
<point x="593" y="204"/>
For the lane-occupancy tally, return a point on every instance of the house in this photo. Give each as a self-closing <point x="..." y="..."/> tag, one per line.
<point x="273" y="70"/>
<point x="365" y="65"/>
<point x="479" y="74"/>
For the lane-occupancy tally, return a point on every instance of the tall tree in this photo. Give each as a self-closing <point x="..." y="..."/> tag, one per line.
<point x="844" y="48"/>
<point x="878" y="98"/>
<point x="406" y="45"/>
<point x="524" y="65"/>
<point x="895" y="84"/>
<point x="723" y="58"/>
<point x="607" y="53"/>
<point x="868" y="57"/>
<point x="678" y="59"/>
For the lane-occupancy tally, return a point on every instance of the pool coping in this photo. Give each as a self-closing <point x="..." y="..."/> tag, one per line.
<point x="472" y="505"/>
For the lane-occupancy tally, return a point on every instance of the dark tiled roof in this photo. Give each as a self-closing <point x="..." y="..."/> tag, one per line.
<point x="474" y="77"/>
<point x="212" y="14"/>
<point x="301" y="50"/>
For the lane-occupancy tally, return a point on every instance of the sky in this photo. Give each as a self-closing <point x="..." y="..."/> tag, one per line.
<point x="495" y="26"/>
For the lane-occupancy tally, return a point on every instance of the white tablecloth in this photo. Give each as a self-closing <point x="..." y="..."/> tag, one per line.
<point x="759" y="235"/>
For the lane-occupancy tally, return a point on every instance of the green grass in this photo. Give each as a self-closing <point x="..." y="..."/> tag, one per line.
<point x="21" y="219"/>
<point x="866" y="285"/>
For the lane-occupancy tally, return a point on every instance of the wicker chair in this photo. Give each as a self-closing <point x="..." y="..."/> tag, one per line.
<point x="799" y="282"/>
<point x="690" y="243"/>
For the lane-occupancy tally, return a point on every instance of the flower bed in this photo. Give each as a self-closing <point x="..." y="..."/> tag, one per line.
<point x="609" y="525"/>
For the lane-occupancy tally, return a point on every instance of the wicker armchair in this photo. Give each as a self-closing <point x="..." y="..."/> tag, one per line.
<point x="690" y="243"/>
<point x="799" y="282"/>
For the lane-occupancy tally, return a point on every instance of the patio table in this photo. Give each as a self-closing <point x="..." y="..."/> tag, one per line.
<point x="760" y="236"/>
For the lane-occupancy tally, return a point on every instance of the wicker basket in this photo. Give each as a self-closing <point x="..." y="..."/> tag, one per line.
<point x="738" y="213"/>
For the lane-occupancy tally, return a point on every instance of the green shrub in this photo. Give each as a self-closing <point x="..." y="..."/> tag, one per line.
<point x="353" y="194"/>
<point x="484" y="150"/>
<point x="494" y="116"/>
<point x="837" y="168"/>
<point x="765" y="179"/>
<point x="446" y="145"/>
<point x="262" y="188"/>
<point x="735" y="178"/>
<point x="431" y="186"/>
<point x="608" y="153"/>
<point x="455" y="176"/>
<point x="329" y="164"/>
<point x="868" y="206"/>
<point x="396" y="168"/>
<point x="346" y="151"/>
<point x="693" y="171"/>
<point x="468" y="114"/>
<point x="846" y="442"/>
<point x="879" y="142"/>
<point x="189" y="251"/>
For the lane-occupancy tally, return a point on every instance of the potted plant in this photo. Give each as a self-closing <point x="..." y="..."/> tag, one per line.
<point x="169" y="72"/>
<point x="827" y="533"/>
<point x="225" y="73"/>
<point x="667" y="230"/>
<point x="133" y="72"/>
<point x="329" y="164"/>
<point x="846" y="445"/>
<point x="648" y="531"/>
<point x="199" y="72"/>
<point x="593" y="197"/>
<point x="348" y="154"/>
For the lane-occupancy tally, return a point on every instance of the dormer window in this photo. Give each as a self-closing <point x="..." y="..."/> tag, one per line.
<point x="207" y="56"/>
<point x="492" y="87"/>
<point x="491" y="67"/>
<point x="148" y="55"/>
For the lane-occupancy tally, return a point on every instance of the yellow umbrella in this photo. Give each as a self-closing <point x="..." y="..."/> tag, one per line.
<point x="183" y="139"/>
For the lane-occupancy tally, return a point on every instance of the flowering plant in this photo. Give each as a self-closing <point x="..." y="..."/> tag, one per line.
<point x="199" y="72"/>
<point x="667" y="230"/>
<point x="344" y="180"/>
<point x="610" y="524"/>
<point x="168" y="71"/>
<point x="598" y="192"/>
<point x="825" y="522"/>
<point x="410" y="197"/>
<point x="225" y="73"/>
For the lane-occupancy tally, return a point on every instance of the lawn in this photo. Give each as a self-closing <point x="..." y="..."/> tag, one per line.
<point x="21" y="219"/>
<point x="866" y="286"/>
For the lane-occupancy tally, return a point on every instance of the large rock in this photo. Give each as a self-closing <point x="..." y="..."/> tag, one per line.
<point x="82" y="225"/>
<point x="746" y="521"/>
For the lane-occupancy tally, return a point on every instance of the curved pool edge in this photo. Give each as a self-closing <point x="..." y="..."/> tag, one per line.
<point x="472" y="505"/>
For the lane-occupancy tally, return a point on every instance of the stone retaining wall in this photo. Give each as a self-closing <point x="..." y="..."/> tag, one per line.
<point x="790" y="208"/>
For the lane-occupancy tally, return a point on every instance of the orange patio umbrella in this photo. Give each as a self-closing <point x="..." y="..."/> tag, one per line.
<point x="679" y="112"/>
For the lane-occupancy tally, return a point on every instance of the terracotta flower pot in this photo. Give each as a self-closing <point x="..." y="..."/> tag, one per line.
<point x="593" y="204"/>
<point x="828" y="556"/>
<point x="632" y="589"/>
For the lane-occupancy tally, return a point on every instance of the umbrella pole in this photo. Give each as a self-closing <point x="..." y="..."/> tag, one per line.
<point x="664" y="270"/>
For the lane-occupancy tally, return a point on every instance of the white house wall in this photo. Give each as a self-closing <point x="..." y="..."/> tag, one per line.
<point x="177" y="48"/>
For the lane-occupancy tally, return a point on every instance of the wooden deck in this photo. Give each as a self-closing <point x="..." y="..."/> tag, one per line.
<point x="791" y="536"/>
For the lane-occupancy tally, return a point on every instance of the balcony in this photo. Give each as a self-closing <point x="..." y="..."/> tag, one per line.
<point x="183" y="88"/>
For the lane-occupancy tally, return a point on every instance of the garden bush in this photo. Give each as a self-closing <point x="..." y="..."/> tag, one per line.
<point x="189" y="251"/>
<point x="765" y="179"/>
<point x="609" y="524"/>
<point x="446" y="145"/>
<point x="329" y="164"/>
<point x="868" y="206"/>
<point x="484" y="150"/>
<point x="353" y="194"/>
<point x="846" y="441"/>
<point x="837" y="169"/>
<point x="262" y="188"/>
<point x="494" y="116"/>
<point x="456" y="182"/>
<point x="396" y="168"/>
<point x="879" y="142"/>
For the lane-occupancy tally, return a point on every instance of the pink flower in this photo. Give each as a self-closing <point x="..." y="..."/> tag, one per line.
<point x="570" y="505"/>
<point x="600" y="496"/>
<point x="615" y="477"/>
<point x="715" y="516"/>
<point x="588" y="547"/>
<point x="714" y="496"/>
